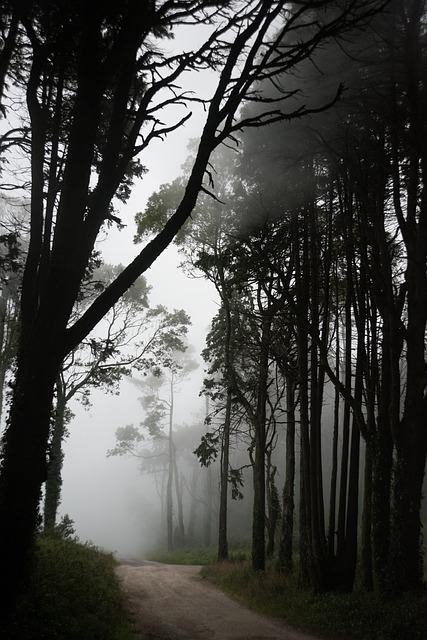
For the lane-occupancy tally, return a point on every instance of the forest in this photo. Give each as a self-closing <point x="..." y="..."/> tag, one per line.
<point x="302" y="205"/>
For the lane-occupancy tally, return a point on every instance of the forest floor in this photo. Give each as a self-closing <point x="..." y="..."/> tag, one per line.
<point x="173" y="602"/>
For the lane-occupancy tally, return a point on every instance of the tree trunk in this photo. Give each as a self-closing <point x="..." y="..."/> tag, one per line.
<point x="53" y="484"/>
<point x="304" y="546"/>
<point x="3" y="364"/>
<point x="273" y="506"/>
<point x="342" y="507"/>
<point x="348" y="561"/>
<point x="23" y="468"/>
<point x="207" y="533"/>
<point x="307" y="560"/>
<point x="169" y="485"/>
<point x="334" y="469"/>
<point x="366" y="553"/>
<point x="223" y="506"/>
<point x="191" y="529"/>
<point x="381" y="477"/>
<point x="178" y="491"/>
<point x="287" y="529"/>
<point x="258" y="523"/>
<point x="316" y="388"/>
<point x="406" y="568"/>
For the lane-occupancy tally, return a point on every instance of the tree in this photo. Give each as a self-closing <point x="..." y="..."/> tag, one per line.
<point x="12" y="258"/>
<point x="95" y="89"/>
<point x="354" y="254"/>
<point x="133" y="335"/>
<point x="175" y="365"/>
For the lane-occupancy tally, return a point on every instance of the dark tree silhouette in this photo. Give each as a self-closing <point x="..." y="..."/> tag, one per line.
<point x="96" y="83"/>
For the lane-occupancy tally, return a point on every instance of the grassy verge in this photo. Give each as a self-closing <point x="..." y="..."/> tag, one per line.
<point x="73" y="595"/>
<point x="200" y="556"/>
<point x="357" y="616"/>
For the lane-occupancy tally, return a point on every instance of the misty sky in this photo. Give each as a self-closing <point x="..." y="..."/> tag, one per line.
<point x="105" y="496"/>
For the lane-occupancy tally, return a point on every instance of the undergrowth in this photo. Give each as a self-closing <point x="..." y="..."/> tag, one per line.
<point x="356" y="616"/>
<point x="195" y="556"/>
<point x="73" y="595"/>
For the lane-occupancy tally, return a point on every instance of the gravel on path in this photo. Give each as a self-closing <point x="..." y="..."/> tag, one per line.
<point x="173" y="602"/>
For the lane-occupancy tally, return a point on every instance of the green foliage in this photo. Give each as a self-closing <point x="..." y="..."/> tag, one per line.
<point x="65" y="528"/>
<point x="160" y="206"/>
<point x="356" y="616"/>
<point x="208" y="449"/>
<point x="127" y="438"/>
<point x="153" y="421"/>
<point x="73" y="595"/>
<point x="235" y="478"/>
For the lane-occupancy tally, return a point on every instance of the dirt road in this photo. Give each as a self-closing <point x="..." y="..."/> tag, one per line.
<point x="172" y="602"/>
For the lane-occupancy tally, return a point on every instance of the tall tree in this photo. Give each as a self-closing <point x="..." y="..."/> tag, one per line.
<point x="95" y="89"/>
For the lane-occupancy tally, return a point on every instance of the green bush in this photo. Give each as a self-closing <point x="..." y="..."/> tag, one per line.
<point x="73" y="595"/>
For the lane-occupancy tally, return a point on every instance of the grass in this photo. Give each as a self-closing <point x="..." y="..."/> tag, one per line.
<point x="73" y="595"/>
<point x="356" y="616"/>
<point x="196" y="556"/>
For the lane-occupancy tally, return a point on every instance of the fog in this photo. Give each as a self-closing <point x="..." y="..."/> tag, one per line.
<point x="111" y="504"/>
<point x="279" y="253"/>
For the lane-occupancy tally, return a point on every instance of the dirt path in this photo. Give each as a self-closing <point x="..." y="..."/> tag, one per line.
<point x="172" y="602"/>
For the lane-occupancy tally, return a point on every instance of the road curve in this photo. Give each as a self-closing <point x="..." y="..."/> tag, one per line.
<point x="172" y="602"/>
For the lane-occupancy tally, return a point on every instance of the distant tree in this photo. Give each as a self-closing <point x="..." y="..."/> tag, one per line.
<point x="158" y="401"/>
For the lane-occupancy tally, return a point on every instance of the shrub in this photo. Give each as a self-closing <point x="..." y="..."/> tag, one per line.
<point x="73" y="595"/>
<point x="355" y="616"/>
